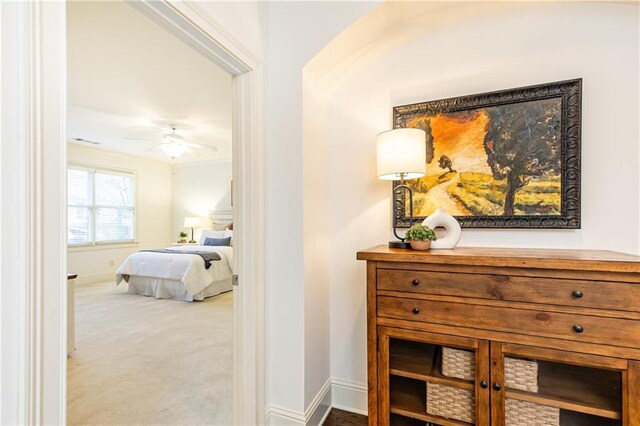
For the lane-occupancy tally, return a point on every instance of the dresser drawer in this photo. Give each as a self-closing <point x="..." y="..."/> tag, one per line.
<point x="554" y="291"/>
<point x="584" y="328"/>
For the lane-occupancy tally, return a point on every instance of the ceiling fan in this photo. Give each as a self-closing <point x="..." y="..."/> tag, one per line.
<point x="174" y="145"/>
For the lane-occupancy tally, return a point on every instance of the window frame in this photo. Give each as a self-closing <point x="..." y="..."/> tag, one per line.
<point x="93" y="207"/>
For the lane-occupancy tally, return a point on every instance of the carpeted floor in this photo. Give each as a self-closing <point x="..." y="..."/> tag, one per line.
<point x="140" y="360"/>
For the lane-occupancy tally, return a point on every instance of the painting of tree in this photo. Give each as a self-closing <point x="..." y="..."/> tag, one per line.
<point x="508" y="159"/>
<point x="498" y="151"/>
<point x="522" y="141"/>
<point x="445" y="163"/>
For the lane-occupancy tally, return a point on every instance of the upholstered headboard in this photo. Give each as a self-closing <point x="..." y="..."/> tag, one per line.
<point x="220" y="219"/>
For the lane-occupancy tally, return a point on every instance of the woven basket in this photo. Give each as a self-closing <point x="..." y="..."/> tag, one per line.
<point x="519" y="373"/>
<point x="521" y="413"/>
<point x="451" y="403"/>
<point x="458" y="363"/>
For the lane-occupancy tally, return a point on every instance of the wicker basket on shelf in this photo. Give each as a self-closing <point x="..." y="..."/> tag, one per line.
<point x="519" y="374"/>
<point x="451" y="403"/>
<point x="459" y="404"/>
<point x="522" y="413"/>
<point x="458" y="363"/>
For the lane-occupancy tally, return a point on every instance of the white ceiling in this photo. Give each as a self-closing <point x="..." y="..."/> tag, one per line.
<point x="129" y="78"/>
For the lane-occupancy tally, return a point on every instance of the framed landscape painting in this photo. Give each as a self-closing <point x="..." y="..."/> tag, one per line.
<point x="507" y="159"/>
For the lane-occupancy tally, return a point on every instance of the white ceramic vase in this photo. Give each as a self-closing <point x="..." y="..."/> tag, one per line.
<point x="440" y="218"/>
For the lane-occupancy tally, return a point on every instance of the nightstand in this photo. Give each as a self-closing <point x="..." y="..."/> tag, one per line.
<point x="185" y="244"/>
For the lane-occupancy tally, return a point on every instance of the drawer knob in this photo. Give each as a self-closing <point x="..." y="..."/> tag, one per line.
<point x="578" y="328"/>
<point x="484" y="384"/>
<point x="496" y="386"/>
<point x="416" y="311"/>
<point x="578" y="294"/>
<point x="415" y="282"/>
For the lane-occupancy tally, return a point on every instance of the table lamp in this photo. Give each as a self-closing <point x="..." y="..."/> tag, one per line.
<point x="401" y="155"/>
<point x="192" y="222"/>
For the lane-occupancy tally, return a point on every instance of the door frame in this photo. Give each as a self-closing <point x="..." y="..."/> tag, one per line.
<point x="33" y="205"/>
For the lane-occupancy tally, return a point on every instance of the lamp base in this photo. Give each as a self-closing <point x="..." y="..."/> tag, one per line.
<point x="192" y="242"/>
<point x="399" y="244"/>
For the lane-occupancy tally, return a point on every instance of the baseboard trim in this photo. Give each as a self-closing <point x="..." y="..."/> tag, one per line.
<point x="349" y="396"/>
<point x="314" y="415"/>
<point x="336" y="393"/>
<point x="100" y="277"/>
<point x="320" y="407"/>
<point x="283" y="416"/>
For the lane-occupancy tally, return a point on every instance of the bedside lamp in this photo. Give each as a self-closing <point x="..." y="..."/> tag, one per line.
<point x="401" y="155"/>
<point x="192" y="222"/>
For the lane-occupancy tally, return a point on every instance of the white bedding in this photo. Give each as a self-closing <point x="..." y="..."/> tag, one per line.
<point x="162" y="288"/>
<point x="186" y="268"/>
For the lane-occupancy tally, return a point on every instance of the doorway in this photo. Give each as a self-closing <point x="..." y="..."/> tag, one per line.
<point x="37" y="261"/>
<point x="149" y="154"/>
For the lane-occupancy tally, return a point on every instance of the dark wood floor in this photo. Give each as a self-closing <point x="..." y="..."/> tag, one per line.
<point x="344" y="418"/>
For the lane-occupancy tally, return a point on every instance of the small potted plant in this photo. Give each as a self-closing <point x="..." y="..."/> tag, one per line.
<point x="420" y="237"/>
<point x="183" y="237"/>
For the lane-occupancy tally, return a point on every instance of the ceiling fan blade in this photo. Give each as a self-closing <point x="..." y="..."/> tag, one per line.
<point x="155" y="147"/>
<point x="199" y="145"/>
<point x="87" y="141"/>
<point x="141" y="139"/>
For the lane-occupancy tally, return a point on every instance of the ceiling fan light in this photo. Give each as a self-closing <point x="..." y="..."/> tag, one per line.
<point x="173" y="138"/>
<point x="173" y="150"/>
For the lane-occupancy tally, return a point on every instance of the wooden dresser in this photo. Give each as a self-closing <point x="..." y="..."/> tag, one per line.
<point x="571" y="315"/>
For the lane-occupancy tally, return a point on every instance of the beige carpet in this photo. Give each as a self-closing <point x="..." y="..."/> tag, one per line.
<point x="140" y="360"/>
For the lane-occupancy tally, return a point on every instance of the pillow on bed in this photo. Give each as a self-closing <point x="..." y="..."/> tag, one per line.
<point x="207" y="233"/>
<point x="217" y="241"/>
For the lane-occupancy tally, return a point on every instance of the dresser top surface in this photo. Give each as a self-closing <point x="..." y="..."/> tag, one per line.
<point x="592" y="260"/>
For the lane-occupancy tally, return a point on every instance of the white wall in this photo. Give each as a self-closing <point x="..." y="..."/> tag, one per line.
<point x="297" y="309"/>
<point x="196" y="189"/>
<point x="94" y="264"/>
<point x="243" y="21"/>
<point x="404" y="53"/>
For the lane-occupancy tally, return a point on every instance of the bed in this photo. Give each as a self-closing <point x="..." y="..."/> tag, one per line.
<point x="173" y="275"/>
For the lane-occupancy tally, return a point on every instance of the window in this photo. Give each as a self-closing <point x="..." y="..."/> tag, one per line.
<point x="101" y="206"/>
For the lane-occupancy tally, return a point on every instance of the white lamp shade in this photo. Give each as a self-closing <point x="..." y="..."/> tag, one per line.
<point x="173" y="150"/>
<point x="192" y="222"/>
<point x="401" y="151"/>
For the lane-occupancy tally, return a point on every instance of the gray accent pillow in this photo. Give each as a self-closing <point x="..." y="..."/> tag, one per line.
<point x="217" y="241"/>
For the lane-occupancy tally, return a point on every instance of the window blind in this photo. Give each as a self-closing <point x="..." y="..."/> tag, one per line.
<point x="101" y="206"/>
<point x="80" y="202"/>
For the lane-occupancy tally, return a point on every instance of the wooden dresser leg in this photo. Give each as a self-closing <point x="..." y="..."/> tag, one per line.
<point x="384" y="387"/>
<point x="372" y="345"/>
<point x="632" y="390"/>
